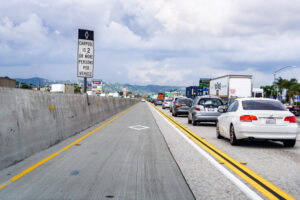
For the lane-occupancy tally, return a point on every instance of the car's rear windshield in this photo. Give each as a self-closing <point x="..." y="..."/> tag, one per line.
<point x="168" y="100"/>
<point x="210" y="101"/>
<point x="262" y="105"/>
<point x="185" y="101"/>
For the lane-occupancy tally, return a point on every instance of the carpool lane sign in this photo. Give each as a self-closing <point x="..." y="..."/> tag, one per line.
<point x="85" y="56"/>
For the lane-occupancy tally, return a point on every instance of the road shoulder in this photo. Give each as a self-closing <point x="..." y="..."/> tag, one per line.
<point x="205" y="181"/>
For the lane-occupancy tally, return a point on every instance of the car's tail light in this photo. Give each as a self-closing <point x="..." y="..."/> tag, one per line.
<point x="291" y="119"/>
<point x="178" y="105"/>
<point x="197" y="109"/>
<point x="248" y="118"/>
<point x="166" y="103"/>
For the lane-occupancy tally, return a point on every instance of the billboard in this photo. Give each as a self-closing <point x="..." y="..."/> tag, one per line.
<point x="97" y="86"/>
<point x="204" y="82"/>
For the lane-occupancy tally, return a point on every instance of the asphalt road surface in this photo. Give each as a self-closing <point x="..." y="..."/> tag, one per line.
<point x="140" y="155"/>
<point x="119" y="161"/>
<point x="271" y="160"/>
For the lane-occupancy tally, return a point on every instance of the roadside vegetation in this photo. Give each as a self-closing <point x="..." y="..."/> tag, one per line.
<point x="292" y="88"/>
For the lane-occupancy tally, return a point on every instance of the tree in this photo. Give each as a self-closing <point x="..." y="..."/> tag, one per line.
<point x="77" y="89"/>
<point x="293" y="88"/>
<point x="281" y="84"/>
<point x="25" y="86"/>
<point x="47" y="88"/>
<point x="268" y="90"/>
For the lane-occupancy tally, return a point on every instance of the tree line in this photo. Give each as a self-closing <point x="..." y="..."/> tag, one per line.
<point x="291" y="86"/>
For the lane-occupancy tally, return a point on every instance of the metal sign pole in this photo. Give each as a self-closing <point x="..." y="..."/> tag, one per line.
<point x="85" y="84"/>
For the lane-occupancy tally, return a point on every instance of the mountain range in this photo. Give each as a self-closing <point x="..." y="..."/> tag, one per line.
<point x="107" y="87"/>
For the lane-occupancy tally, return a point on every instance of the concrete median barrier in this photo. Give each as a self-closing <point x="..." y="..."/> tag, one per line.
<point x="31" y="121"/>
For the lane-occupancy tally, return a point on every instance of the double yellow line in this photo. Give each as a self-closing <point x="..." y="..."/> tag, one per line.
<point x="262" y="185"/>
<point x="26" y="171"/>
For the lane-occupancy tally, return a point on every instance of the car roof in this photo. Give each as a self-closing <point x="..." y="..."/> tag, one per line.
<point x="184" y="98"/>
<point x="208" y="96"/>
<point x="255" y="99"/>
<point x="178" y="97"/>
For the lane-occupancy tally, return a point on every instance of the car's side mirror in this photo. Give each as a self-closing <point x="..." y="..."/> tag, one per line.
<point x="221" y="110"/>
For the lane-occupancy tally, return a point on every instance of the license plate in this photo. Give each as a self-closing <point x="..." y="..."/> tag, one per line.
<point x="211" y="109"/>
<point x="271" y="121"/>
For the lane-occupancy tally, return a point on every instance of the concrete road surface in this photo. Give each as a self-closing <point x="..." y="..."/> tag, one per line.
<point x="119" y="161"/>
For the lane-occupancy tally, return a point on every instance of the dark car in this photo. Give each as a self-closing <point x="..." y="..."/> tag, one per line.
<point x="181" y="106"/>
<point x="205" y="109"/>
<point x="158" y="102"/>
<point x="294" y="109"/>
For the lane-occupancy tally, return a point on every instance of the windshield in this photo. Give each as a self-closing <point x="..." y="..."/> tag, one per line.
<point x="210" y="101"/>
<point x="185" y="101"/>
<point x="262" y="105"/>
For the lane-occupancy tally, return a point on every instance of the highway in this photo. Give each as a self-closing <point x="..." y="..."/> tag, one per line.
<point x="143" y="153"/>
<point x="115" y="162"/>
<point x="270" y="160"/>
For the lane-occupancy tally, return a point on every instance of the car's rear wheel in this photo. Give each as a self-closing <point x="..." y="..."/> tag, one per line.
<point x="289" y="143"/>
<point x="233" y="140"/>
<point x="194" y="123"/>
<point x="189" y="121"/>
<point x="218" y="131"/>
<point x="175" y="114"/>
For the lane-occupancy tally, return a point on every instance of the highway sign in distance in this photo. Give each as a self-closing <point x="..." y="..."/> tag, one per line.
<point x="85" y="56"/>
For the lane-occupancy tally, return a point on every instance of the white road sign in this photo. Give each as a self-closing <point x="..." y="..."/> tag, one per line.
<point x="85" y="57"/>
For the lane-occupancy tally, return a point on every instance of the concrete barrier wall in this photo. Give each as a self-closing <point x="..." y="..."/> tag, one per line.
<point x="31" y="121"/>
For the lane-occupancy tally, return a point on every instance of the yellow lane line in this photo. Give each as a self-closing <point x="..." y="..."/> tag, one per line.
<point x="265" y="187"/>
<point x="26" y="171"/>
<point x="2" y="186"/>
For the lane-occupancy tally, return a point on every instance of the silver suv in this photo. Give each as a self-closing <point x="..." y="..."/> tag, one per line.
<point x="173" y="102"/>
<point x="181" y="106"/>
<point x="205" y="109"/>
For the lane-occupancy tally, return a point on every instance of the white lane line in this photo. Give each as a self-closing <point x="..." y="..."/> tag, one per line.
<point x="243" y="187"/>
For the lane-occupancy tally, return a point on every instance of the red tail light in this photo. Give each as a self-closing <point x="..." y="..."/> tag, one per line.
<point x="166" y="103"/>
<point x="198" y="109"/>
<point x="248" y="118"/>
<point x="291" y="119"/>
<point x="178" y="105"/>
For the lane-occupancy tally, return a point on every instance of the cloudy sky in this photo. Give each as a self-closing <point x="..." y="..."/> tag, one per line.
<point x="165" y="42"/>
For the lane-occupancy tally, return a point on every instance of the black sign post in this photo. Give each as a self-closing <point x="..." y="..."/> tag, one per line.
<point x="85" y="56"/>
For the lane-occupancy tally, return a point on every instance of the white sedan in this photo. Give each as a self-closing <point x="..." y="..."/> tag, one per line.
<point x="257" y="118"/>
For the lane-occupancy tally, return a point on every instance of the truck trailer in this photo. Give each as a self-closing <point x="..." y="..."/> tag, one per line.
<point x="193" y="91"/>
<point x="231" y="86"/>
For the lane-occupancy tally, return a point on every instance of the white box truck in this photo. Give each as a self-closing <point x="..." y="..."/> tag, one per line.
<point x="62" y="88"/>
<point x="231" y="86"/>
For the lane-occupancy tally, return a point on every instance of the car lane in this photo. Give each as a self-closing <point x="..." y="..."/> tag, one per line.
<point x="277" y="164"/>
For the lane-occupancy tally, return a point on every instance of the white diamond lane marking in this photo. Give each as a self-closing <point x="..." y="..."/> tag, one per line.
<point x="138" y="127"/>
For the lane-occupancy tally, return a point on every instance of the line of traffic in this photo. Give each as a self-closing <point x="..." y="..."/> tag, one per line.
<point x="262" y="185"/>
<point x="243" y="187"/>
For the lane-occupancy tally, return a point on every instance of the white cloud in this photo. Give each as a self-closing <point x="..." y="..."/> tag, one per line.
<point x="30" y="31"/>
<point x="158" y="41"/>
